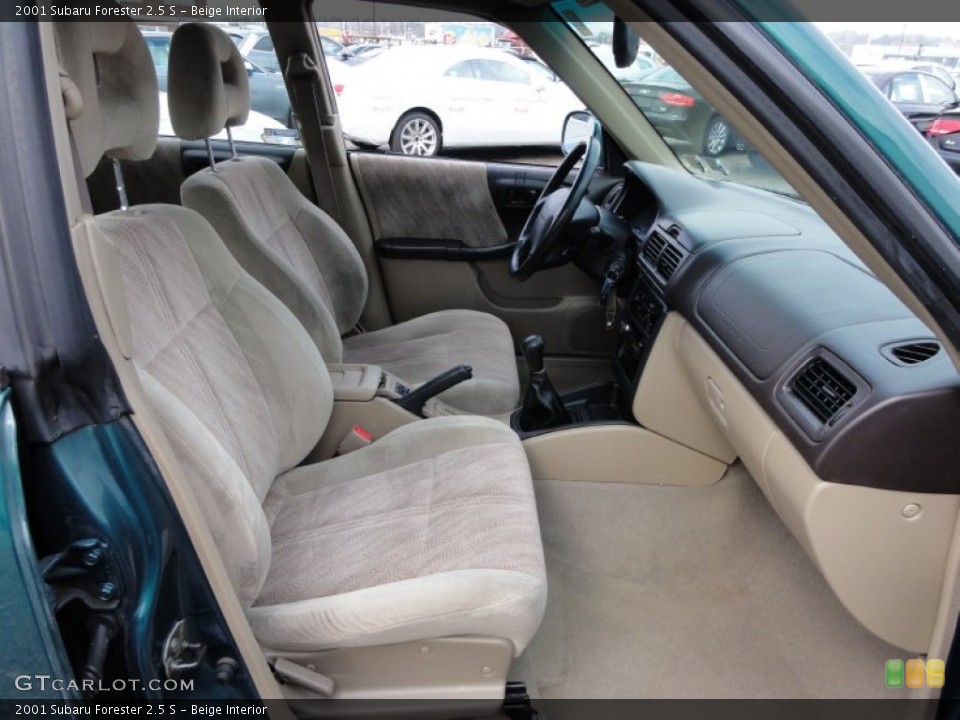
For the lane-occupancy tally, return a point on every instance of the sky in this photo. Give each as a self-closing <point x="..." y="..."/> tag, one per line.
<point x="941" y="29"/>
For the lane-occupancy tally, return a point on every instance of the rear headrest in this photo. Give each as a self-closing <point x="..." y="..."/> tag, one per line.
<point x="117" y="113"/>
<point x="208" y="88"/>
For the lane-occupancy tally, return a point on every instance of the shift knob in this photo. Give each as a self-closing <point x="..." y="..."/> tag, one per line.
<point x="532" y="348"/>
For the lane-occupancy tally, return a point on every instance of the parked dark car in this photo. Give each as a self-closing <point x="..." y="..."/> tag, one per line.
<point x="920" y="96"/>
<point x="268" y="94"/>
<point x="680" y="113"/>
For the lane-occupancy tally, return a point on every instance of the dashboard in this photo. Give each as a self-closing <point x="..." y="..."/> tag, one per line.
<point x="852" y="378"/>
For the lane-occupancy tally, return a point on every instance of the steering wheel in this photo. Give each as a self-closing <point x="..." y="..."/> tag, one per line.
<point x="554" y="209"/>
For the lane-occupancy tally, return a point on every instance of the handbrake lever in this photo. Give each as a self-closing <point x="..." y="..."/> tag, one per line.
<point x="416" y="399"/>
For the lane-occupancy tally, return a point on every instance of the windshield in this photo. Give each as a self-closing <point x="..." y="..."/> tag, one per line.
<point x="701" y="138"/>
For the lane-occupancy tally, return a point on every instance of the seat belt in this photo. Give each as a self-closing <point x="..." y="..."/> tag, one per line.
<point x="305" y="79"/>
<point x="72" y="105"/>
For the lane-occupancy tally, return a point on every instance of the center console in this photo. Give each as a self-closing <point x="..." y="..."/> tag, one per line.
<point x="641" y="315"/>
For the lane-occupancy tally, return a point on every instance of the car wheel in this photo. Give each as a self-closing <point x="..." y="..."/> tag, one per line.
<point x="416" y="134"/>
<point x="716" y="137"/>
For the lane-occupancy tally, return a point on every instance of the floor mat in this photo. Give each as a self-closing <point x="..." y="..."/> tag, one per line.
<point x="667" y="592"/>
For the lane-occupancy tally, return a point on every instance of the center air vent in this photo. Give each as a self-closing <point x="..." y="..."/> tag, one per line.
<point x="663" y="257"/>
<point x="912" y="353"/>
<point x="822" y="388"/>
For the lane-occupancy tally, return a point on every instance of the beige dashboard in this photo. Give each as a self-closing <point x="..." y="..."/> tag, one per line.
<point x="883" y="552"/>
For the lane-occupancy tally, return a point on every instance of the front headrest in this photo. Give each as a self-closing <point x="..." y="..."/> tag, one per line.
<point x="117" y="113"/>
<point x="207" y="87"/>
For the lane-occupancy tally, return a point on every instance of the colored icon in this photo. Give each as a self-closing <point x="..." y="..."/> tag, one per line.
<point x="936" y="671"/>
<point x="894" y="673"/>
<point x="915" y="673"/>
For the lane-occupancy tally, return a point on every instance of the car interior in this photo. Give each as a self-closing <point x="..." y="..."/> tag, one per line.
<point x="450" y="428"/>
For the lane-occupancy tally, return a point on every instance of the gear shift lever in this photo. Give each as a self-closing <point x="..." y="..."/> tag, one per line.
<point x="542" y="407"/>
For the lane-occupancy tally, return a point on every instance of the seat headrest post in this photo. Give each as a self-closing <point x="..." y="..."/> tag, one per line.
<point x="210" y="157"/>
<point x="233" y="147"/>
<point x="121" y="185"/>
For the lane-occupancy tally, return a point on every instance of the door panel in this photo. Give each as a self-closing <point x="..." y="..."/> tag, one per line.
<point x="571" y="324"/>
<point x="444" y="232"/>
<point x="428" y="199"/>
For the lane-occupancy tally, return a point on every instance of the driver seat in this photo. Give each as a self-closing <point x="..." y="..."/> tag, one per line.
<point x="305" y="258"/>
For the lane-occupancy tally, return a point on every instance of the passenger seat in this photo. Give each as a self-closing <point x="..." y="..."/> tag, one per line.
<point x="301" y="255"/>
<point x="429" y="533"/>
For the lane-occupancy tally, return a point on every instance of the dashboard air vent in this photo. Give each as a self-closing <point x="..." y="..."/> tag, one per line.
<point x="822" y="388"/>
<point x="663" y="257"/>
<point x="912" y="353"/>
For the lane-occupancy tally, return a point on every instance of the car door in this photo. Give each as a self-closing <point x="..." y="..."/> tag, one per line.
<point x="444" y="231"/>
<point x="510" y="101"/>
<point x="268" y="94"/>
<point x="264" y="55"/>
<point x="938" y="96"/>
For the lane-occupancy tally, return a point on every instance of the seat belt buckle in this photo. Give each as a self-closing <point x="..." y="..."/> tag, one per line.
<point x="357" y="439"/>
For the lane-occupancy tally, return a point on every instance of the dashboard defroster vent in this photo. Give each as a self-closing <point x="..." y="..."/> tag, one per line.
<point x="822" y="388"/>
<point x="912" y="353"/>
<point x="663" y="257"/>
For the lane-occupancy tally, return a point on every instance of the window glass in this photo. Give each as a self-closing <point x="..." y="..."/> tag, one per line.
<point x="159" y="46"/>
<point x="270" y="120"/>
<point x="461" y="70"/>
<point x="935" y="92"/>
<point x="700" y="136"/>
<point x="500" y="72"/>
<point x="905" y="88"/>
<point x="455" y="87"/>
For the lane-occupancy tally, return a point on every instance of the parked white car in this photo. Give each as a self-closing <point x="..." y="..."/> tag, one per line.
<point x="420" y="100"/>
<point x="258" y="128"/>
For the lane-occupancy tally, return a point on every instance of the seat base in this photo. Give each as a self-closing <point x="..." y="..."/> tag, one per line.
<point x="420" y="349"/>
<point x="459" y="669"/>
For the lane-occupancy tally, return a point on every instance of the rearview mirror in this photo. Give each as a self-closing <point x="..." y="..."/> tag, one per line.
<point x="626" y="44"/>
<point x="578" y="126"/>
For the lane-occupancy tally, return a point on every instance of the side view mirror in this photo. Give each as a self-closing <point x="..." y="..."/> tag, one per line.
<point x="578" y="126"/>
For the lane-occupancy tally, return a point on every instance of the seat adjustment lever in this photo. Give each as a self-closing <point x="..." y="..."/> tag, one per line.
<point x="289" y="672"/>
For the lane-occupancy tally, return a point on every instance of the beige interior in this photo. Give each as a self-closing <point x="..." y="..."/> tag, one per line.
<point x="671" y="592"/>
<point x="560" y="304"/>
<point x="885" y="567"/>
<point x="459" y="669"/>
<point x="378" y="415"/>
<point x="887" y="570"/>
<point x="298" y="37"/>
<point x="668" y="403"/>
<point x="618" y="454"/>
<point x="146" y="423"/>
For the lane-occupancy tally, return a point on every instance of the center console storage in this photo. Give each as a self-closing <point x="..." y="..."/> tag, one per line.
<point x="591" y="405"/>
